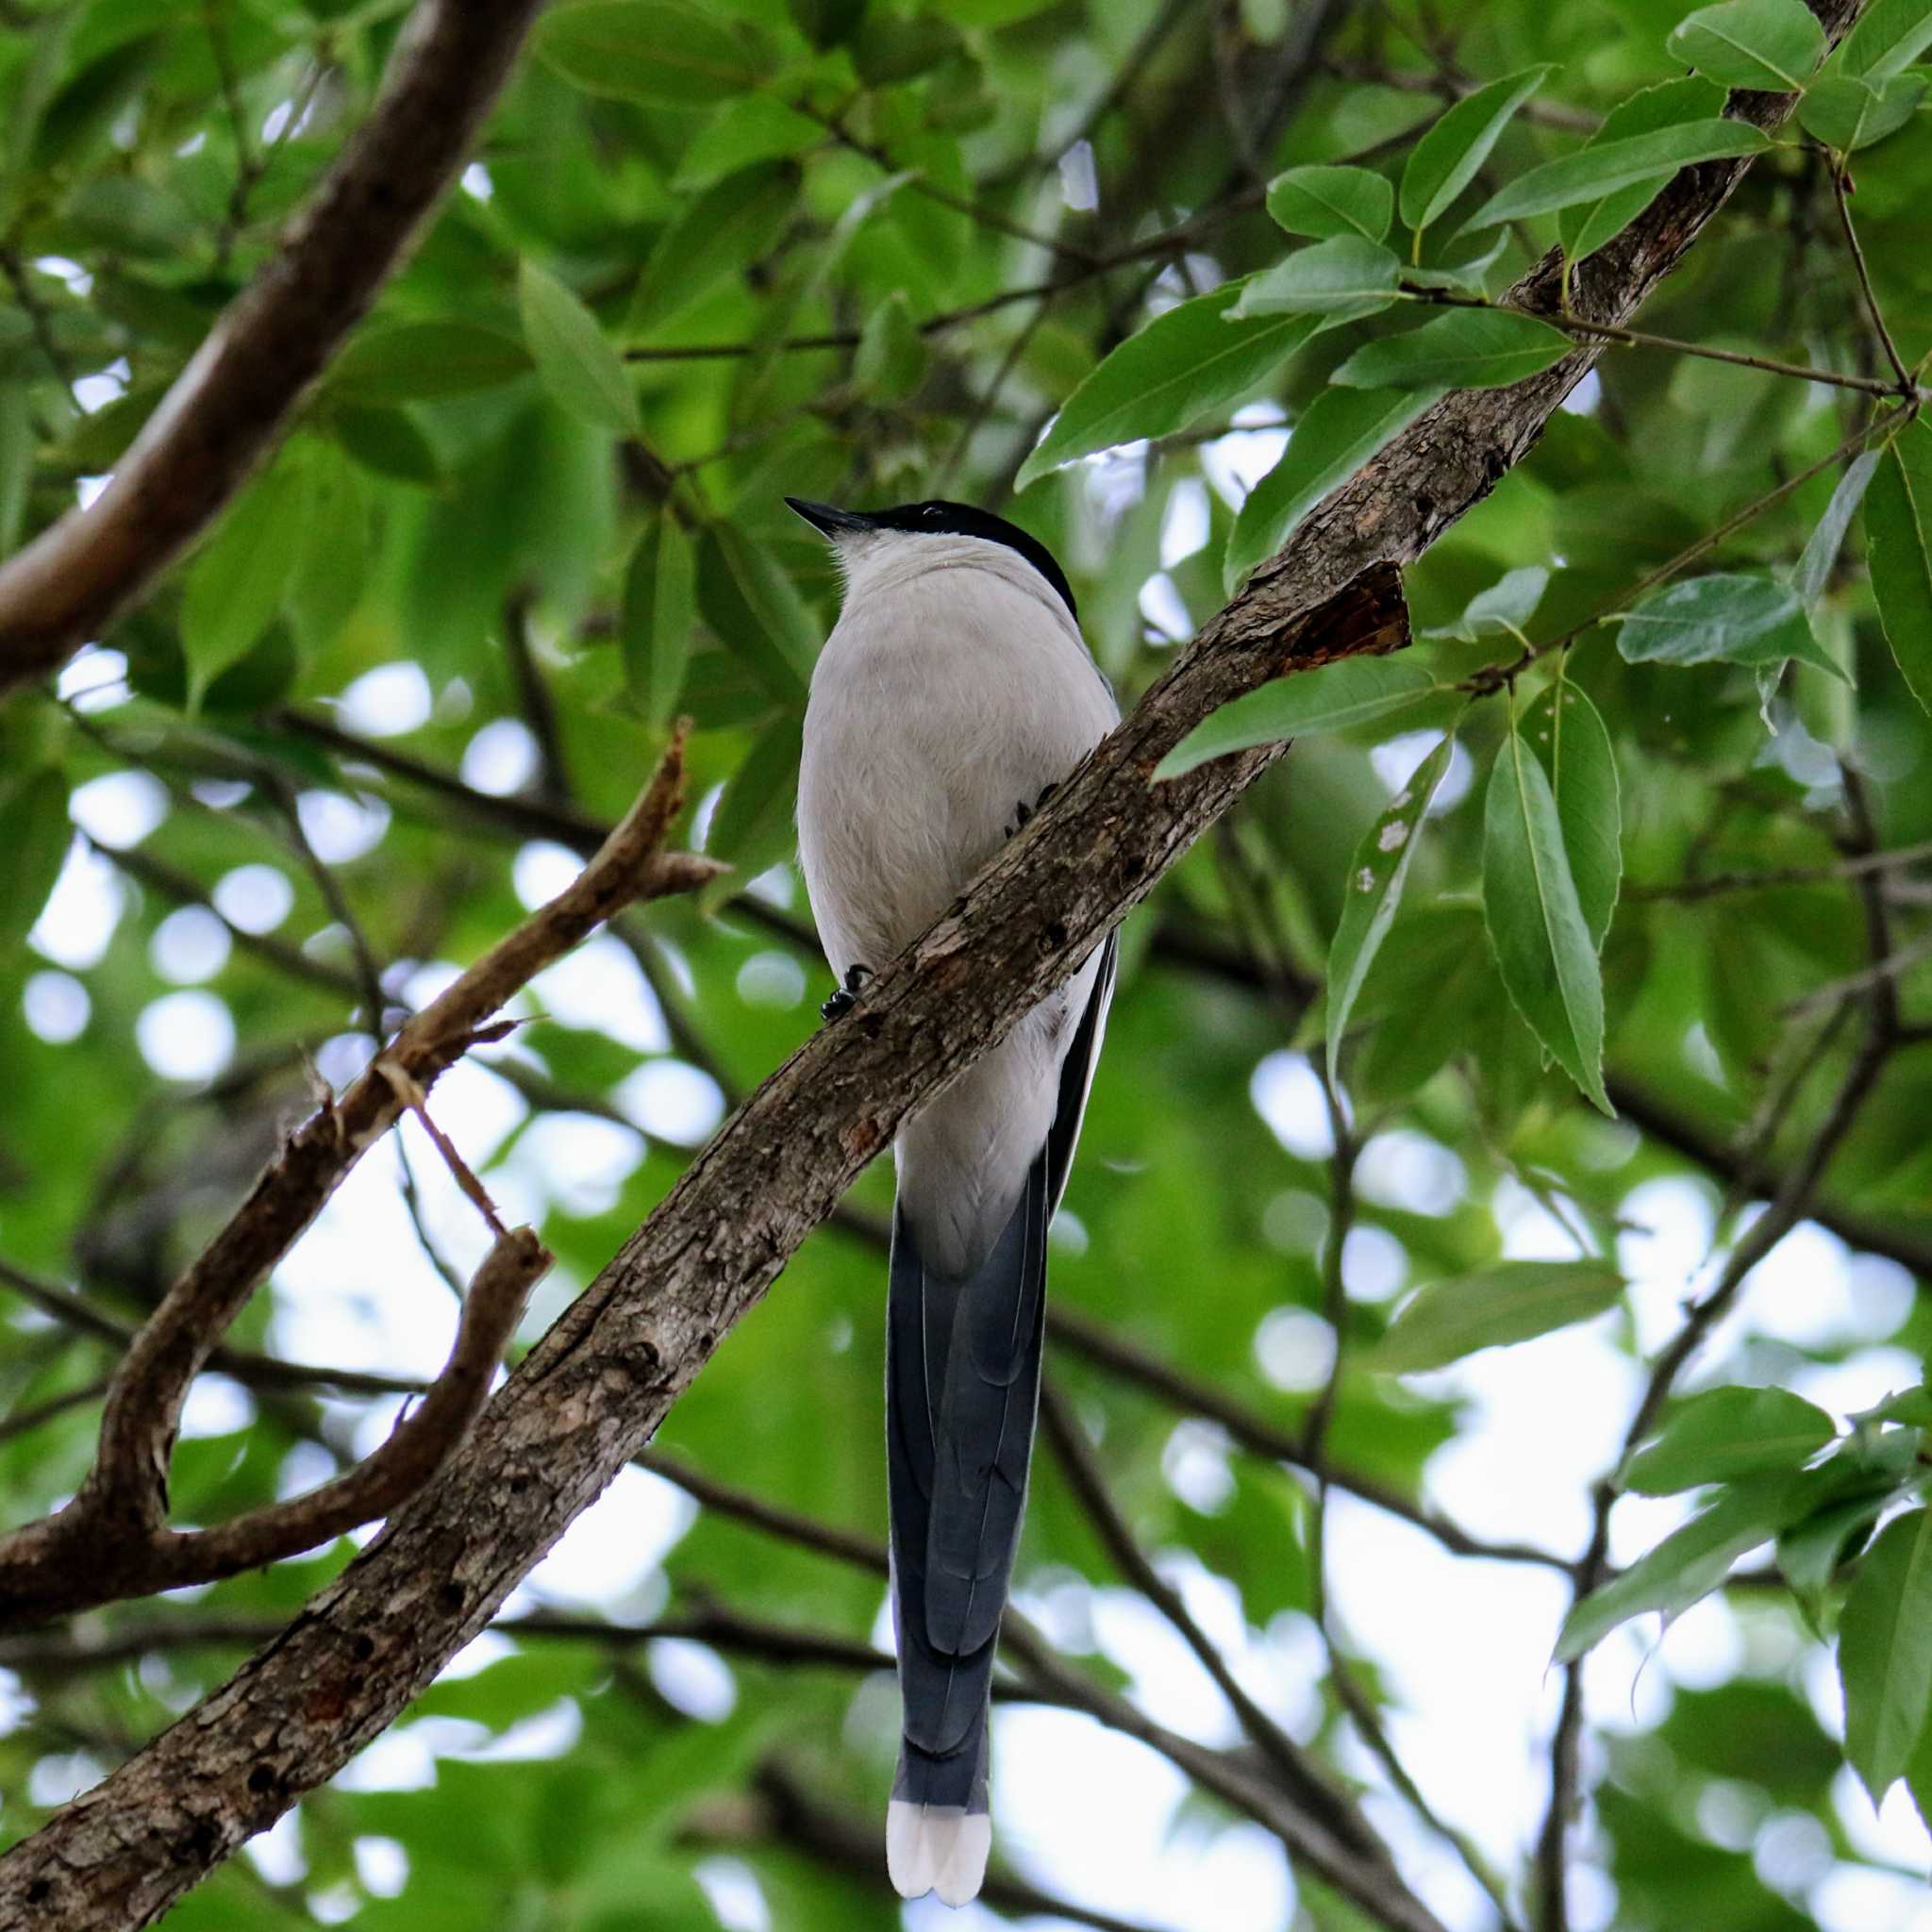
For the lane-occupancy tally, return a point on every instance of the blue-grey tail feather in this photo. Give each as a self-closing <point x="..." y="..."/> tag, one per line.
<point x="962" y="1390"/>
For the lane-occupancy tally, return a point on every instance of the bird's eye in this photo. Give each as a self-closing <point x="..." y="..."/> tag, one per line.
<point x="931" y="512"/>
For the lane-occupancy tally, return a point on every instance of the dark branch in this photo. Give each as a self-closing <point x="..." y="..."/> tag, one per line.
<point x="228" y="407"/>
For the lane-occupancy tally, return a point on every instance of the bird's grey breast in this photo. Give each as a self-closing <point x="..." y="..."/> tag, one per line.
<point x="946" y="698"/>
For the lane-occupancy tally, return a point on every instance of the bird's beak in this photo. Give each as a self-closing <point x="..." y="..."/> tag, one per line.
<point x="829" y="522"/>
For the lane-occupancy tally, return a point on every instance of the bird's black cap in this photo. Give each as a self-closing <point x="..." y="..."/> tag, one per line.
<point x="939" y="518"/>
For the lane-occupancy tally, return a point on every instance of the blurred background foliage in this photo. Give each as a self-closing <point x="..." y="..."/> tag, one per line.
<point x="860" y="250"/>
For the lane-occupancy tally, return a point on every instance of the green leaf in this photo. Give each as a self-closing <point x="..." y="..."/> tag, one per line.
<point x="1345" y="274"/>
<point x="1821" y="550"/>
<point x="583" y="372"/>
<point x="1467" y="348"/>
<point x="1587" y="226"/>
<point x="1593" y="172"/>
<point x="331" y="571"/>
<point x="1184" y="363"/>
<point x="411" y="360"/>
<point x="17" y="447"/>
<point x="752" y="826"/>
<point x="1689" y="1564"/>
<point x="1772" y="45"/>
<point x="719" y="235"/>
<point x="1919" y="1777"/>
<point x="1503" y="609"/>
<point x="1444" y="161"/>
<point x="1468" y="276"/>
<point x="1811" y="1551"/>
<point x="1912" y="1406"/>
<point x="1375" y="879"/>
<point x="660" y="613"/>
<point x="754" y="127"/>
<point x="1324" y="202"/>
<point x="1543" y="942"/>
<point x="390" y="442"/>
<point x="1572" y="741"/>
<point x="1885" y="1652"/>
<point x="1898" y="532"/>
<point x="1512" y="1301"/>
<point x="1889" y="37"/>
<point x="1443" y="965"/>
<point x="1724" y="617"/>
<point x="764" y="620"/>
<point x="234" y="587"/>
<point x="653" y="51"/>
<point x="1735" y="619"/>
<point x="1849" y="114"/>
<point x="1354" y="690"/>
<point x="892" y="356"/>
<point x="35" y="834"/>
<point x="1341" y="430"/>
<point x="1727" y="1432"/>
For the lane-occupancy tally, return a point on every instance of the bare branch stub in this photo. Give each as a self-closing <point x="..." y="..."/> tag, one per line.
<point x="40" y="1574"/>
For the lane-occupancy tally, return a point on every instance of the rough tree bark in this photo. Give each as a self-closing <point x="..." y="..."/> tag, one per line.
<point x="604" y="1377"/>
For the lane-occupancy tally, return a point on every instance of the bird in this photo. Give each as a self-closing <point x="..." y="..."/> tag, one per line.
<point x="953" y="697"/>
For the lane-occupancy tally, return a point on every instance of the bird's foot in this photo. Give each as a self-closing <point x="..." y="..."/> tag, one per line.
<point x="1023" y="812"/>
<point x="846" y="997"/>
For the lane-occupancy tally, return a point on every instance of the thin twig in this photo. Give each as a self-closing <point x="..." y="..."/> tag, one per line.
<point x="1290" y="1763"/>
<point x="1248" y="890"/>
<point x="39" y="317"/>
<point x="1841" y="193"/>
<point x="24" y="1421"/>
<point x="1716" y="884"/>
<point x="1638" y="339"/>
<point x="1486" y="682"/>
<point x="920" y="183"/>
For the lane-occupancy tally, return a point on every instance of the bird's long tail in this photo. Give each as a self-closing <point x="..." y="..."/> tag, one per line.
<point x="962" y="1388"/>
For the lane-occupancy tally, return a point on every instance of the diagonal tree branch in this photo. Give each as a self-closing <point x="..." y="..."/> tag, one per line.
<point x="228" y="406"/>
<point x="601" y="1381"/>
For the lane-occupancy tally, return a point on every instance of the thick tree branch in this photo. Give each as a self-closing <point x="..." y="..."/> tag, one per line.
<point x="597" y="1386"/>
<point x="228" y="406"/>
<point x="1174" y="944"/>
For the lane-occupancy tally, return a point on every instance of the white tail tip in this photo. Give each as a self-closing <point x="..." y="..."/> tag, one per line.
<point x="936" y="1848"/>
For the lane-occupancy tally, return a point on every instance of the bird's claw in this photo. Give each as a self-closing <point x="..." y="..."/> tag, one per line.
<point x="1023" y="812"/>
<point x="846" y="997"/>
